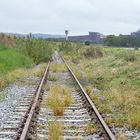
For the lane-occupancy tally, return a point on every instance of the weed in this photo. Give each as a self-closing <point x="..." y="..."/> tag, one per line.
<point x="91" y="129"/>
<point x="121" y="137"/>
<point x="52" y="78"/>
<point x="134" y="120"/>
<point x="20" y="73"/>
<point x="89" y="90"/>
<point x="55" y="131"/>
<point x="59" y="98"/>
<point x="58" y="68"/>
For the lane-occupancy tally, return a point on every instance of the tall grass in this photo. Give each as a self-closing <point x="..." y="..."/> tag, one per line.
<point x="116" y="75"/>
<point x="55" y="131"/>
<point x="130" y="56"/>
<point x="59" y="98"/>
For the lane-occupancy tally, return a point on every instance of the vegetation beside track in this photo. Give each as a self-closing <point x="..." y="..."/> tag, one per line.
<point x="18" y="56"/>
<point x="111" y="77"/>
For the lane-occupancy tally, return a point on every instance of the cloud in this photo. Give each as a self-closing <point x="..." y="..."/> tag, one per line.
<point x="78" y="16"/>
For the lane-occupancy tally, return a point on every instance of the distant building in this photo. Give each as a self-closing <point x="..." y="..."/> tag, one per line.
<point x="136" y="34"/>
<point x="93" y="37"/>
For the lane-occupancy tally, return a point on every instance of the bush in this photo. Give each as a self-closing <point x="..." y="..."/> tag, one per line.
<point x="93" y="52"/>
<point x="136" y="48"/>
<point x="87" y="43"/>
<point x="38" y="49"/>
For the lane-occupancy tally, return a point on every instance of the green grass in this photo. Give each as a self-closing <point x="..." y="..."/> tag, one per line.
<point x="2" y="97"/>
<point x="11" y="59"/>
<point x="13" y="65"/>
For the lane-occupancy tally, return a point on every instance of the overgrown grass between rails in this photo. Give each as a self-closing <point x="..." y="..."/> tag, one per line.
<point x="59" y="98"/>
<point x="55" y="130"/>
<point x="52" y="77"/>
<point x="58" y="68"/>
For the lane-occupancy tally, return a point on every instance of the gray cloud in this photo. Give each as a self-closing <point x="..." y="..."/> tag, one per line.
<point x="79" y="16"/>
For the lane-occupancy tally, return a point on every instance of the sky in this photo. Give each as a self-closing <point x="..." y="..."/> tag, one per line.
<point x="77" y="16"/>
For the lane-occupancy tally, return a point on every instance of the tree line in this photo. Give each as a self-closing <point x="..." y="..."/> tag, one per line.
<point x="122" y="41"/>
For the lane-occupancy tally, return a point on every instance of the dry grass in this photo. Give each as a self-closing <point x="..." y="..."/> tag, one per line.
<point x="134" y="119"/>
<point x="91" y="129"/>
<point x="52" y="78"/>
<point x="59" y="98"/>
<point x="58" y="68"/>
<point x="17" y="74"/>
<point x="89" y="90"/>
<point x="38" y="71"/>
<point x="123" y="105"/>
<point x="77" y="71"/>
<point x="121" y="137"/>
<point x="117" y="76"/>
<point x="55" y="131"/>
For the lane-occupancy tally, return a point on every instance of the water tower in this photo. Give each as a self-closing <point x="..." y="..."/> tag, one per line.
<point x="66" y="33"/>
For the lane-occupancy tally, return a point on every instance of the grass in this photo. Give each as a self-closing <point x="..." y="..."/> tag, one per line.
<point x="117" y="75"/>
<point x="52" y="78"/>
<point x="2" y="97"/>
<point x="77" y="71"/>
<point x="59" y="98"/>
<point x="20" y="73"/>
<point x="130" y="56"/>
<point x="11" y="60"/>
<point x="121" y="137"/>
<point x="91" y="129"/>
<point x="55" y="131"/>
<point x="58" y="68"/>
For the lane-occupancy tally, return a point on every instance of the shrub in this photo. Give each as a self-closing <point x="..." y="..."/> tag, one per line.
<point x="136" y="48"/>
<point x="87" y="43"/>
<point x="38" y="49"/>
<point x="93" y="52"/>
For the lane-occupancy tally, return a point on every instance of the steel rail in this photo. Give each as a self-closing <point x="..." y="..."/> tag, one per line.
<point x="92" y="105"/>
<point x="32" y="110"/>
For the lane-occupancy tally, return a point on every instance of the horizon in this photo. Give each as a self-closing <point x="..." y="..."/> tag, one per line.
<point x="63" y="34"/>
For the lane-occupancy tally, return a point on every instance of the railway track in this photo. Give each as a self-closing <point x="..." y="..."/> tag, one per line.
<point x="31" y="118"/>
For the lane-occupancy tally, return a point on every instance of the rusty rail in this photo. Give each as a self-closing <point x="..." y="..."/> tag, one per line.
<point x="32" y="110"/>
<point x="92" y="105"/>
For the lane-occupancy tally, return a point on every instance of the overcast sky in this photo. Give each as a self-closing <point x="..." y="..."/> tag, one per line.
<point x="78" y="16"/>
